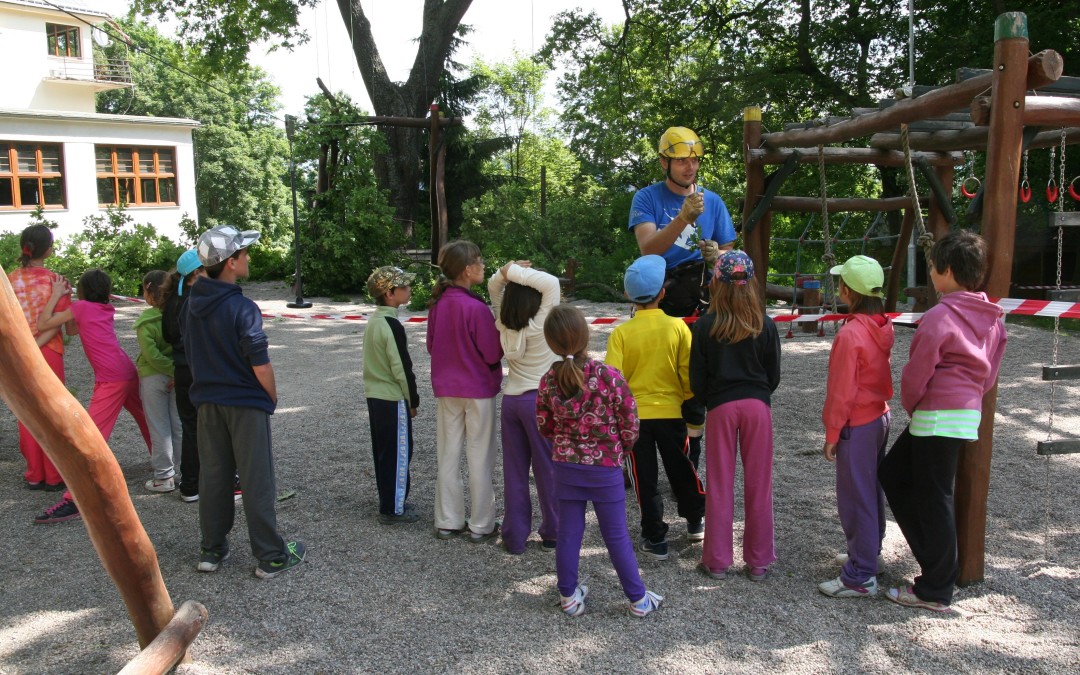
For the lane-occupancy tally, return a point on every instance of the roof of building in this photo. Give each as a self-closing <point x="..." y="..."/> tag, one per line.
<point x="76" y="6"/>
<point x="98" y="117"/>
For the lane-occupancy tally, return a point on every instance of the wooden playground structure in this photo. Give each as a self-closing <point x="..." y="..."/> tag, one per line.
<point x="998" y="123"/>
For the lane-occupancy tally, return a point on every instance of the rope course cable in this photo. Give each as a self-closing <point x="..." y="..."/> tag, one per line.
<point x="926" y="239"/>
<point x="828" y="257"/>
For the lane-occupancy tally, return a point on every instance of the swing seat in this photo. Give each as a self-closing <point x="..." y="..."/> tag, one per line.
<point x="1064" y="219"/>
<point x="1058" y="447"/>
<point x="1060" y="373"/>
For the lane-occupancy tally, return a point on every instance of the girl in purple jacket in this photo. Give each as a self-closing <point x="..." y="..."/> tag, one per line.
<point x="466" y="374"/>
<point x="585" y="407"/>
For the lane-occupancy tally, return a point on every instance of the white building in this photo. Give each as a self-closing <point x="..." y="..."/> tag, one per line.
<point x="56" y="152"/>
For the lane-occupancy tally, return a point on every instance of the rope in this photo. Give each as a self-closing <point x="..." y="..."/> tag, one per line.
<point x="926" y="240"/>
<point x="829" y="258"/>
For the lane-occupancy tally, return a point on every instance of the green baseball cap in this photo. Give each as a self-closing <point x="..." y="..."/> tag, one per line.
<point x="863" y="275"/>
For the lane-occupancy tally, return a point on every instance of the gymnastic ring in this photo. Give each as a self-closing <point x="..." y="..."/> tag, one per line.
<point x="1072" y="189"/>
<point x="1051" y="191"/>
<point x="964" y="187"/>
<point x="1025" y="191"/>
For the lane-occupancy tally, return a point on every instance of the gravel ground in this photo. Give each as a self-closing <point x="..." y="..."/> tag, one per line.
<point x="378" y="598"/>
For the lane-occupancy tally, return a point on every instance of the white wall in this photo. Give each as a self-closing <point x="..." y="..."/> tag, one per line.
<point x="78" y="136"/>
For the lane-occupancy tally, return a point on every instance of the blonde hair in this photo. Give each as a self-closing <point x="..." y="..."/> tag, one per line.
<point x="453" y="259"/>
<point x="567" y="335"/>
<point x="738" y="311"/>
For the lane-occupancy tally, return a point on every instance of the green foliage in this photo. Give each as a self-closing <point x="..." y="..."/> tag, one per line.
<point x="114" y="243"/>
<point x="241" y="157"/>
<point x="349" y="227"/>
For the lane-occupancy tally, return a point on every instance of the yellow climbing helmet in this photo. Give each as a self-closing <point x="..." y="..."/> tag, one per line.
<point x="678" y="142"/>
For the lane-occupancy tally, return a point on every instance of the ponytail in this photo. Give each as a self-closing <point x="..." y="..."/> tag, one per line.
<point x="35" y="242"/>
<point x="453" y="259"/>
<point x="567" y="335"/>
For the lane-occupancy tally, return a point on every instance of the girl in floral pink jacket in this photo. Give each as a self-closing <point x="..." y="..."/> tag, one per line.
<point x="587" y="410"/>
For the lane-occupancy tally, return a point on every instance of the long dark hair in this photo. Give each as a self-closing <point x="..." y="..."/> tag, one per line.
<point x="453" y="259"/>
<point x="567" y="335"/>
<point x="156" y="283"/>
<point x="35" y="242"/>
<point x="520" y="303"/>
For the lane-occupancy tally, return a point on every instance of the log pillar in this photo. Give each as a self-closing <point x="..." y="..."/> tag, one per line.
<point x="1003" y="157"/>
<point x="756" y="241"/>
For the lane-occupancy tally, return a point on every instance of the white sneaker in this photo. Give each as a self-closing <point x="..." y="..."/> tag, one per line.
<point x="836" y="588"/>
<point x="154" y="485"/>
<point x="575" y="604"/>
<point x="647" y="604"/>
<point x="843" y="558"/>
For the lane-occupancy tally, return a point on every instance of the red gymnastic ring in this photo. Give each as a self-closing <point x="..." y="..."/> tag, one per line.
<point x="970" y="194"/>
<point x="1051" y="191"/>
<point x="1025" y="191"/>
<point x="1072" y="189"/>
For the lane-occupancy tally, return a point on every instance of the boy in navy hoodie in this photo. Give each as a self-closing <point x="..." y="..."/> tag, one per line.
<point x="953" y="361"/>
<point x="234" y="389"/>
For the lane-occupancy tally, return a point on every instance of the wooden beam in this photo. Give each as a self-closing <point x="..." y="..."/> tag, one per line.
<point x="170" y="647"/>
<point x="968" y="139"/>
<point x="832" y="155"/>
<point x="899" y="258"/>
<point x="1003" y="153"/>
<point x="1067" y="85"/>
<point x="1039" y="111"/>
<point x="772" y="186"/>
<point x="1043" y="68"/>
<point x="836" y="204"/>
<point x="412" y="122"/>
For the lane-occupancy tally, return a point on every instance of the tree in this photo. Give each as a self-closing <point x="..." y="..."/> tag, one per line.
<point x="225" y="29"/>
<point x="240" y="156"/>
<point x="512" y="101"/>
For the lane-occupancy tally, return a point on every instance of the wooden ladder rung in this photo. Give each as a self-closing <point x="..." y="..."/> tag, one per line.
<point x="1061" y="373"/>
<point x="1060" y="447"/>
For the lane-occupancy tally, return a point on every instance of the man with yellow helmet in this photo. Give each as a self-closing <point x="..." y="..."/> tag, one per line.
<point x="683" y="222"/>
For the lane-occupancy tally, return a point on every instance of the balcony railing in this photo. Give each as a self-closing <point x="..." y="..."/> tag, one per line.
<point x="115" y="71"/>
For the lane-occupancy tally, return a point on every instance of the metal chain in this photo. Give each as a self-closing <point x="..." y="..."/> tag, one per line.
<point x="1057" y="343"/>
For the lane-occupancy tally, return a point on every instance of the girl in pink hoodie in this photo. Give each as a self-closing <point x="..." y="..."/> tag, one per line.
<point x="856" y="417"/>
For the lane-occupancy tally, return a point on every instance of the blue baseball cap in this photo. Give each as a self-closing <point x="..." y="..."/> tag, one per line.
<point x="644" y="278"/>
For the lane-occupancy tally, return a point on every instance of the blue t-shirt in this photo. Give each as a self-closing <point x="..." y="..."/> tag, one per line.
<point x="658" y="204"/>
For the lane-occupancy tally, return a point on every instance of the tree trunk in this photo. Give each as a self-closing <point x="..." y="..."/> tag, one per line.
<point x="398" y="170"/>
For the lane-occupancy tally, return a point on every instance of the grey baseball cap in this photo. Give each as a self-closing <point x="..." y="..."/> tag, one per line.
<point x="218" y="243"/>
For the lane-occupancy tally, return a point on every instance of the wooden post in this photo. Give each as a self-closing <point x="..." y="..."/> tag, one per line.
<point x="756" y="242"/>
<point x="41" y="402"/>
<point x="1003" y="156"/>
<point x="436" y="185"/>
<point x="899" y="259"/>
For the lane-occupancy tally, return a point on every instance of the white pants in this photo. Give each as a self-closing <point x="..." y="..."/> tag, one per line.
<point x="159" y="404"/>
<point x="465" y="424"/>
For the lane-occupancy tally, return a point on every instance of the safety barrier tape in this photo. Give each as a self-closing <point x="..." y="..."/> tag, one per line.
<point x="1017" y="306"/>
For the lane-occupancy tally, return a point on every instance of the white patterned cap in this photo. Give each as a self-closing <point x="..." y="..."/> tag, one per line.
<point x="221" y="242"/>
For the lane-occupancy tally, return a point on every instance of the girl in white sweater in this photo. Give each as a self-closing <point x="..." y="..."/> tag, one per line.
<point x="521" y="298"/>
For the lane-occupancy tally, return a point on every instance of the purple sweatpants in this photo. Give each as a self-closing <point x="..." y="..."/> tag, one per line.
<point x="860" y="500"/>
<point x="742" y="428"/>
<point x="576" y="485"/>
<point x="523" y="447"/>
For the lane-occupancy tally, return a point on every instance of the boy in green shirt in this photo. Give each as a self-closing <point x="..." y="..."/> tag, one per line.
<point x="390" y="388"/>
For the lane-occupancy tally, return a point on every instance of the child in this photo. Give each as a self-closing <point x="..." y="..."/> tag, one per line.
<point x="586" y="409"/>
<point x="188" y="270"/>
<point x="392" y="398"/>
<point x="652" y="350"/>
<point x="522" y="298"/>
<point x="466" y="372"/>
<point x="116" y="381"/>
<point x="234" y="388"/>
<point x="32" y="284"/>
<point x="735" y="367"/>
<point x="953" y="362"/>
<point x="155" y="367"/>
<point x="856" y="418"/>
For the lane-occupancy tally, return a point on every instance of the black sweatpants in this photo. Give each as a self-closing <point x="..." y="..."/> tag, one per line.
<point x="391" y="450"/>
<point x="918" y="477"/>
<point x="669" y="438"/>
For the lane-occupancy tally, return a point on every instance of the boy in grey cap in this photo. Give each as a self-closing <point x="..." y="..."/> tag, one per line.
<point x="390" y="389"/>
<point x="234" y="389"/>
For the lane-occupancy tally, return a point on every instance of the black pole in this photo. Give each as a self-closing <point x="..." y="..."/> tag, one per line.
<point x="290" y="130"/>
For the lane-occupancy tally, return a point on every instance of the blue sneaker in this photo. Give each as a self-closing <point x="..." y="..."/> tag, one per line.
<point x="649" y="603"/>
<point x="294" y="555"/>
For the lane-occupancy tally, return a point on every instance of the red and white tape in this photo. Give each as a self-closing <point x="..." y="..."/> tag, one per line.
<point x="1017" y="306"/>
